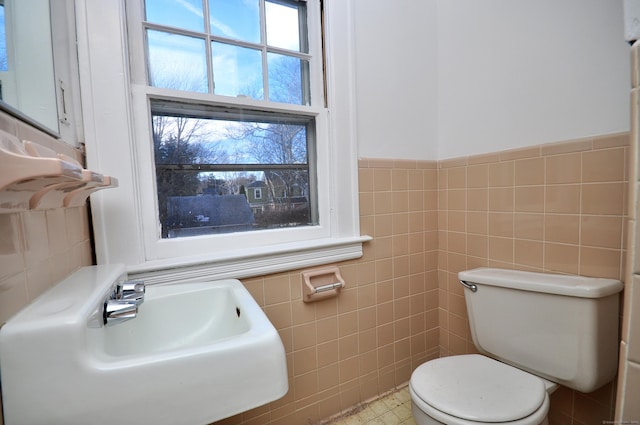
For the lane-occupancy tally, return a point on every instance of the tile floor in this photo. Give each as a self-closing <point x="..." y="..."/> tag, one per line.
<point x="393" y="409"/>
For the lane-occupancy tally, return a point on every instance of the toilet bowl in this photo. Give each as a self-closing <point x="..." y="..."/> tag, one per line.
<point x="474" y="390"/>
<point x="534" y="331"/>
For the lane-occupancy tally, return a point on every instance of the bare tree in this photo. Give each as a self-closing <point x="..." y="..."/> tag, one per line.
<point x="179" y="142"/>
<point x="275" y="143"/>
<point x="285" y="80"/>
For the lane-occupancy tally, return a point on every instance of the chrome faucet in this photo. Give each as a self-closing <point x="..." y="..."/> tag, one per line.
<point x="123" y="302"/>
<point x="131" y="291"/>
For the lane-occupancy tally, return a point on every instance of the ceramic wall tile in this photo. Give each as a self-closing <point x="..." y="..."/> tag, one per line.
<point x="630" y="411"/>
<point x="633" y="335"/>
<point x="11" y="246"/>
<point x="13" y="296"/>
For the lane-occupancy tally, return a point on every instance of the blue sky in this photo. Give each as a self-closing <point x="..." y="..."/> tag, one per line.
<point x="179" y="61"/>
<point x="231" y="19"/>
<point x="237" y="70"/>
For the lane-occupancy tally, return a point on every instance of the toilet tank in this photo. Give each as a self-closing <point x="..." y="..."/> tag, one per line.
<point x="562" y="328"/>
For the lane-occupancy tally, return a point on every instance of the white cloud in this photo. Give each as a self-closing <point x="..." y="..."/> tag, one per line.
<point x="191" y="8"/>
<point x="251" y="4"/>
<point x="282" y="26"/>
<point x="223" y="28"/>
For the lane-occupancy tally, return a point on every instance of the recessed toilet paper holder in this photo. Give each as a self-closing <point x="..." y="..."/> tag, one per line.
<point x="321" y="283"/>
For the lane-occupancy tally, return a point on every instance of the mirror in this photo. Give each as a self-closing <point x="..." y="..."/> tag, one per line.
<point x="27" y="81"/>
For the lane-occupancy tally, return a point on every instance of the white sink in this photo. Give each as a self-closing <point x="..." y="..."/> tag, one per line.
<point x="195" y="353"/>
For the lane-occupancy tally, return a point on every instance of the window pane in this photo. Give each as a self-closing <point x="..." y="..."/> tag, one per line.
<point x="177" y="62"/>
<point x="237" y="71"/>
<point x="239" y="20"/>
<point x="186" y="14"/>
<point x="4" y="62"/>
<point x="220" y="176"/>
<point x="283" y="26"/>
<point x="288" y="79"/>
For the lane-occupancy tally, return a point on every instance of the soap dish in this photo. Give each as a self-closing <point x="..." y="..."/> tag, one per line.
<point x="36" y="177"/>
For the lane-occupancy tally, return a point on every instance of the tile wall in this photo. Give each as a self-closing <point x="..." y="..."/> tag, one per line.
<point x="627" y="407"/>
<point x="552" y="208"/>
<point x="39" y="248"/>
<point x="368" y="340"/>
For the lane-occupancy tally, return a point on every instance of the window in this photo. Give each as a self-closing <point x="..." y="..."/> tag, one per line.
<point x="220" y="133"/>
<point x="207" y="154"/>
<point x="206" y="160"/>
<point x="254" y="48"/>
<point x="4" y="60"/>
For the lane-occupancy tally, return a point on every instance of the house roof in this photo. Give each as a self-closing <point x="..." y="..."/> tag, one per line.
<point x="257" y="183"/>
<point x="220" y="211"/>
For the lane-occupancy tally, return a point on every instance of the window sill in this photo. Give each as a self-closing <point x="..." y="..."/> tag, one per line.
<point x="250" y="262"/>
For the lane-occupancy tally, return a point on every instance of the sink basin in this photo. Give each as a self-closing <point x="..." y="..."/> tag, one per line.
<point x="196" y="352"/>
<point x="174" y="318"/>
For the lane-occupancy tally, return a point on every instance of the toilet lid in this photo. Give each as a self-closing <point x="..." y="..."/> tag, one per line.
<point x="478" y="388"/>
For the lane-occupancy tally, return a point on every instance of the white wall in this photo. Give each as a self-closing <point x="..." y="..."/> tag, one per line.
<point x="446" y="78"/>
<point x="396" y="78"/>
<point x="520" y="73"/>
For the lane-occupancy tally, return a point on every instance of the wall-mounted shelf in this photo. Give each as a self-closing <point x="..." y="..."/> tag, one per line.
<point x="36" y="177"/>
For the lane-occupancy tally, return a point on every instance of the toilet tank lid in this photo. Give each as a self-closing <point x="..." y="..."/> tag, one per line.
<point x="569" y="285"/>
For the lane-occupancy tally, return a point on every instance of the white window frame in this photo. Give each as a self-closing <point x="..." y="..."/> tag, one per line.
<point x="125" y="219"/>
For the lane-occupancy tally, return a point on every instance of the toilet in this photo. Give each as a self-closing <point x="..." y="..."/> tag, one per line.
<point x="534" y="332"/>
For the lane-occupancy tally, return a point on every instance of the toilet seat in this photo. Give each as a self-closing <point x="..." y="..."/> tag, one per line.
<point x="472" y="389"/>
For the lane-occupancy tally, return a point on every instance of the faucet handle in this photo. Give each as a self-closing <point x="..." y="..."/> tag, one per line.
<point x="132" y="290"/>
<point x="116" y="311"/>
